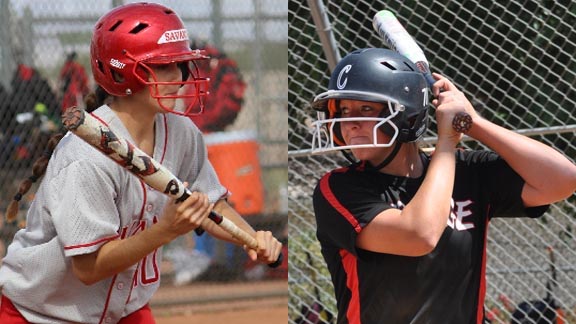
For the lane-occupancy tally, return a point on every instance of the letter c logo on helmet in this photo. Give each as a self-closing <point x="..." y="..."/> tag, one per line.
<point x="341" y="85"/>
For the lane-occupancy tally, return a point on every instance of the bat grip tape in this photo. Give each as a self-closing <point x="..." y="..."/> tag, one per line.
<point x="238" y="233"/>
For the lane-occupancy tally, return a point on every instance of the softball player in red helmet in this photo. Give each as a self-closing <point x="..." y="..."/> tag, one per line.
<point x="91" y="248"/>
<point x="403" y="233"/>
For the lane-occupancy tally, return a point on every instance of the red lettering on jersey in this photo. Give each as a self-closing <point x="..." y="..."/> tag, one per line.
<point x="148" y="270"/>
<point x="123" y="232"/>
<point x="135" y="227"/>
<point x="150" y="263"/>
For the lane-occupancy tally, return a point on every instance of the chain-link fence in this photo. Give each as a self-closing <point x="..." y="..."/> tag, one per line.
<point x="515" y="62"/>
<point x="248" y="45"/>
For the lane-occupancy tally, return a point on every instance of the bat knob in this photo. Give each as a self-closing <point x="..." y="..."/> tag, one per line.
<point x="462" y="122"/>
<point x="278" y="262"/>
<point x="72" y="118"/>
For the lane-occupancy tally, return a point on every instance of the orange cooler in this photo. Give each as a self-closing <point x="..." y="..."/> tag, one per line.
<point x="234" y="156"/>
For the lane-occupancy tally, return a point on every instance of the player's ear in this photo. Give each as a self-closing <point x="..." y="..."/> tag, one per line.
<point x="117" y="76"/>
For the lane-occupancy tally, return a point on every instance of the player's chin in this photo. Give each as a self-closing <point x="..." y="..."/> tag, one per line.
<point x="367" y="154"/>
<point x="168" y="104"/>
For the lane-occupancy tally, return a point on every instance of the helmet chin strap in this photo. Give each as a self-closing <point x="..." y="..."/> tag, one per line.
<point x="349" y="156"/>
<point x="382" y="164"/>
<point x="389" y="158"/>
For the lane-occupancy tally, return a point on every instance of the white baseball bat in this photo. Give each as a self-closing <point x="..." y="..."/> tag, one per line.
<point x="397" y="38"/>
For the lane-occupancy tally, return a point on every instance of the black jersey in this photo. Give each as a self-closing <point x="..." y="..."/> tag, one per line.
<point x="445" y="286"/>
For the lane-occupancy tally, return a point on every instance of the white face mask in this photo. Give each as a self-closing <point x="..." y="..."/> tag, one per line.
<point x="323" y="128"/>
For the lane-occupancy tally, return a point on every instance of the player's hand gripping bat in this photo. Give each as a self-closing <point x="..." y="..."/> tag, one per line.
<point x="97" y="134"/>
<point x="397" y="38"/>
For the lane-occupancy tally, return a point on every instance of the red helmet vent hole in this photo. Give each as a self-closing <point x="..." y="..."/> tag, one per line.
<point x="138" y="28"/>
<point x="113" y="28"/>
<point x="100" y="66"/>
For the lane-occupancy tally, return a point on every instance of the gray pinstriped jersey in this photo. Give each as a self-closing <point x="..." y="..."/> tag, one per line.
<point x="85" y="200"/>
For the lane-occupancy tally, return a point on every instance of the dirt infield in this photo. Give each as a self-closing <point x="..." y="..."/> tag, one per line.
<point x="227" y="303"/>
<point x="276" y="315"/>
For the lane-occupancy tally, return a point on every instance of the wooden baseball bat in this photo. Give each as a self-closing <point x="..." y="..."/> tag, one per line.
<point x="120" y="150"/>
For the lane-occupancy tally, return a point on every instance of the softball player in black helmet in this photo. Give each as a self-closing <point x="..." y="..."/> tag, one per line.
<point x="403" y="233"/>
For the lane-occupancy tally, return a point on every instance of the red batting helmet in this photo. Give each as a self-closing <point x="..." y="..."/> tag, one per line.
<point x="129" y="38"/>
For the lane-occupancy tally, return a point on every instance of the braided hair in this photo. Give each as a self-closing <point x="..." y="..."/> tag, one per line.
<point x="92" y="101"/>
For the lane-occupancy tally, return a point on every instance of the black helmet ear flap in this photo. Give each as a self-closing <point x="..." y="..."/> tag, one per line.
<point x="411" y="129"/>
<point x="417" y="125"/>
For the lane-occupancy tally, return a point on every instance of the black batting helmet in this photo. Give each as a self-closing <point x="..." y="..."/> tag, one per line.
<point x="376" y="75"/>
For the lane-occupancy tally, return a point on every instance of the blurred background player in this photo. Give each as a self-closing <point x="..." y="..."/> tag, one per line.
<point x="73" y="82"/>
<point x="227" y="89"/>
<point x="31" y="104"/>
